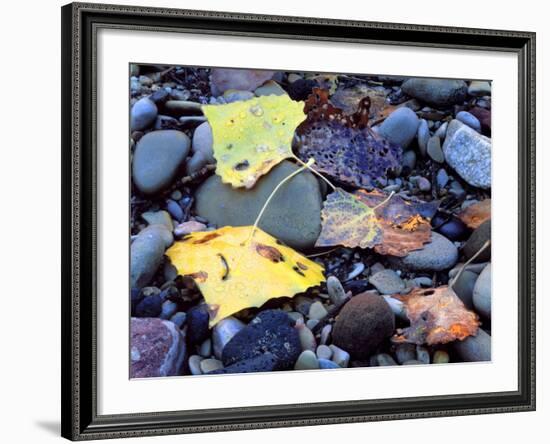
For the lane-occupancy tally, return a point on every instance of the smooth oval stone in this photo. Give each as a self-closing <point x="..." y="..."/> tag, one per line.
<point x="409" y="159"/>
<point x="434" y="149"/>
<point x="335" y="290"/>
<point x="387" y="282"/>
<point x="146" y="253"/>
<point x="439" y="254"/>
<point x="157" y="159"/>
<point x="469" y="119"/>
<point x="307" y="339"/>
<point x="464" y="287"/>
<point x="143" y="114"/>
<point x="437" y="92"/>
<point x="326" y="364"/>
<point x="197" y="324"/>
<point x="422" y="135"/>
<point x="469" y="153"/>
<point x="317" y="311"/>
<point x="307" y="361"/>
<point x="179" y="318"/>
<point x="205" y="349"/>
<point x="339" y="356"/>
<point x="324" y="352"/>
<point x="271" y="87"/>
<point x="223" y="332"/>
<point x="441" y="357"/>
<point x="210" y="365"/>
<point x="169" y="309"/>
<point x="195" y="364"/>
<point x="441" y="132"/>
<point x="454" y="229"/>
<point x="222" y="79"/>
<point x="203" y="141"/>
<point x="293" y="215"/>
<point x="158" y="218"/>
<point x="479" y="88"/>
<point x="149" y="307"/>
<point x="482" y="293"/>
<point x="442" y="178"/>
<point x="384" y="360"/>
<point x="405" y="352"/>
<point x="474" y="348"/>
<point x="422" y="354"/>
<point x="400" y="127"/>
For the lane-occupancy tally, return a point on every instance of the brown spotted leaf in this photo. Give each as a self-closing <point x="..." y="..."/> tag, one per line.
<point x="474" y="215"/>
<point x="343" y="146"/>
<point x="235" y="271"/>
<point x="392" y="226"/>
<point x="437" y="316"/>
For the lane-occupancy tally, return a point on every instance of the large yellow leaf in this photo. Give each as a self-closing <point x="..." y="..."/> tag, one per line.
<point x="252" y="136"/>
<point x="234" y="271"/>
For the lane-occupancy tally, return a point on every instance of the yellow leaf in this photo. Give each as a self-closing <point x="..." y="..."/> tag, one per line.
<point x="252" y="136"/>
<point x="234" y="271"/>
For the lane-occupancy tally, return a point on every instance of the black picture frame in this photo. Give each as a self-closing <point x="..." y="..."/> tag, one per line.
<point x="80" y="22"/>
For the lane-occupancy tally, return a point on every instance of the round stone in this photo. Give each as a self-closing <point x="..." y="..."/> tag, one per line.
<point x="307" y="361"/>
<point x="439" y="254"/>
<point x="482" y="293"/>
<point x="143" y="114"/>
<point x="400" y="127"/>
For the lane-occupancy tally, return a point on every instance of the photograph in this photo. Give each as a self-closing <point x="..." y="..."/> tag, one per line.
<point x="291" y="221"/>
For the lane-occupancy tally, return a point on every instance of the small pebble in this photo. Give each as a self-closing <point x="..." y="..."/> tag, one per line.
<point x="174" y="209"/>
<point x="179" y="318"/>
<point x="441" y="357"/>
<point x="423" y="184"/>
<point x="422" y="354"/>
<point x="470" y="120"/>
<point x="339" y="356"/>
<point x="434" y="149"/>
<point x="209" y="365"/>
<point x="169" y="308"/>
<point x="307" y="339"/>
<point x="317" y="311"/>
<point x="191" y="226"/>
<point x="325" y="333"/>
<point x="295" y="316"/>
<point x="442" y="131"/>
<point x="335" y="290"/>
<point x="405" y="352"/>
<point x="383" y="360"/>
<point x="195" y="364"/>
<point x="205" y="350"/>
<point x="311" y="323"/>
<point x="358" y="268"/>
<point x="442" y="178"/>
<point x="324" y="352"/>
<point x="423" y="281"/>
<point x="412" y="362"/>
<point x="326" y="364"/>
<point x="423" y="134"/>
<point x="306" y="361"/>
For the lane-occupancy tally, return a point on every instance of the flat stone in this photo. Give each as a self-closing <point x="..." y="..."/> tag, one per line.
<point x="405" y="352"/>
<point x="223" y="332"/>
<point x="293" y="215"/>
<point x="188" y="227"/>
<point x="205" y="349"/>
<point x="210" y="365"/>
<point x="324" y="352"/>
<point x="400" y="127"/>
<point x="235" y="95"/>
<point x="146" y="253"/>
<point x="434" y="149"/>
<point x="325" y="364"/>
<point x="307" y="361"/>
<point x="143" y="114"/>
<point x="474" y="348"/>
<point x="387" y="282"/>
<point x="157" y="348"/>
<point x="422" y="135"/>
<point x="158" y="218"/>
<point x="271" y="87"/>
<point x="469" y="119"/>
<point x="436" y="92"/>
<point x="469" y="153"/>
<point x="439" y="254"/>
<point x="339" y="356"/>
<point x="464" y="287"/>
<point x="203" y="141"/>
<point x="317" y="311"/>
<point x="194" y="364"/>
<point x="222" y="79"/>
<point x="157" y="159"/>
<point x="364" y="322"/>
<point x="477" y="239"/>
<point x="482" y="293"/>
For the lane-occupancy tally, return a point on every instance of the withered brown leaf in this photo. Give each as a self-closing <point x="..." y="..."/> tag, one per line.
<point x="474" y="215"/>
<point x="437" y="316"/>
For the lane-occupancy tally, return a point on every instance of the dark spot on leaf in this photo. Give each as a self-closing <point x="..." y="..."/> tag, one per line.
<point x="206" y="238"/>
<point x="225" y="265"/>
<point x="297" y="270"/>
<point x="241" y="166"/>
<point x="302" y="266"/>
<point x="270" y="253"/>
<point x="428" y="292"/>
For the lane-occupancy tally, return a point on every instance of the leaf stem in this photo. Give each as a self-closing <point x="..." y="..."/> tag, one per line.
<point x="484" y="246"/>
<point x="286" y="179"/>
<point x="314" y="171"/>
<point x="386" y="200"/>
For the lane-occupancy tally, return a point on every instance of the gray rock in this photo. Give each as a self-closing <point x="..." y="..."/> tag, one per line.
<point x="439" y="254"/>
<point x="203" y="141"/>
<point x="441" y="357"/>
<point x="413" y="362"/>
<point x="384" y="360"/>
<point x="479" y="88"/>
<point x="400" y="127"/>
<point x="423" y="184"/>
<point x="464" y="287"/>
<point x="387" y="282"/>
<point x="312" y="323"/>
<point x="469" y="119"/>
<point x="210" y="365"/>
<point x="205" y="349"/>
<point x="143" y="114"/>
<point x="261" y="363"/>
<point x="296" y="316"/>
<point x="482" y="293"/>
<point x="474" y="348"/>
<point x="339" y="356"/>
<point x="169" y="308"/>
<point x="146" y="253"/>
<point x="317" y="311"/>
<point x="434" y="149"/>
<point x="158" y="218"/>
<point x="196" y="162"/>
<point x="293" y="215"/>
<point x="442" y="131"/>
<point x="307" y="361"/>
<point x="325" y="333"/>
<point x="157" y="348"/>
<point x="235" y="95"/>
<point x="174" y="209"/>
<point x="469" y="153"/>
<point x="271" y="87"/>
<point x="179" y="318"/>
<point x="422" y="135"/>
<point x="409" y="159"/>
<point x="335" y="290"/>
<point x="422" y="354"/>
<point x="325" y="364"/>
<point x="437" y="92"/>
<point x="307" y="339"/>
<point x="223" y="332"/>
<point x="157" y="159"/>
<point x="405" y="352"/>
<point x="222" y="79"/>
<point x="160" y="230"/>
<point x="442" y="178"/>
<point x="476" y="241"/>
<point x="324" y="352"/>
<point x="195" y="364"/>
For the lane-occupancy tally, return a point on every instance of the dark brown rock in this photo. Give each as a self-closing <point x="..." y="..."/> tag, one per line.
<point x="157" y="348"/>
<point x="364" y="322"/>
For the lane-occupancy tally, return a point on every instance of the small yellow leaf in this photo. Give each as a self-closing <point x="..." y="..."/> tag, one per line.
<point x="234" y="271"/>
<point x="252" y="136"/>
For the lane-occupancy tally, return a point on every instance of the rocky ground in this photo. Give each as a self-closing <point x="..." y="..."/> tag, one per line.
<point x="444" y="129"/>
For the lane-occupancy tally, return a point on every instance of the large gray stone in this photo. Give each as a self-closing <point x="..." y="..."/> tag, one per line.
<point x="400" y="127"/>
<point x="293" y="215"/>
<point x="146" y="253"/>
<point x="437" y="92"/>
<point x="482" y="292"/>
<point x="474" y="348"/>
<point x="439" y="254"/>
<point x="469" y="153"/>
<point x="157" y="159"/>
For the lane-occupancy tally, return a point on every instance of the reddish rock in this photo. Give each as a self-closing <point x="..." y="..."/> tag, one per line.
<point x="364" y="322"/>
<point x="484" y="117"/>
<point x="157" y="348"/>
